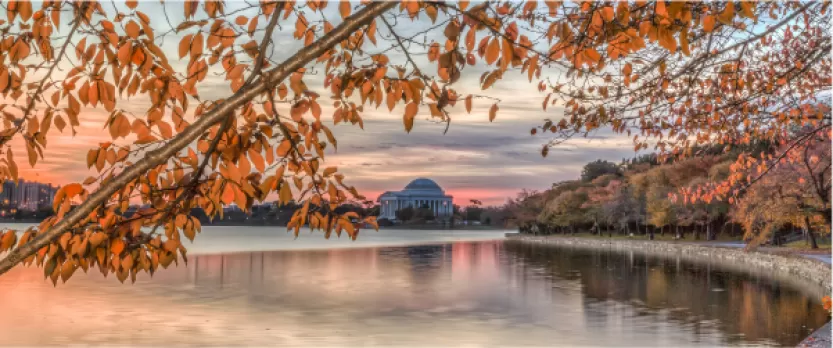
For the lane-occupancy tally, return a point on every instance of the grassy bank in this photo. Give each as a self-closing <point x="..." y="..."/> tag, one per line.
<point x="800" y="245"/>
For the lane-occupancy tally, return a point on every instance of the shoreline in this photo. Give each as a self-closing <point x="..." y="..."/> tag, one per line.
<point x="809" y="275"/>
<point x="444" y="228"/>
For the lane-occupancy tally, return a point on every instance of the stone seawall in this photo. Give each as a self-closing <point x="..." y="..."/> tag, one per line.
<point x="807" y="275"/>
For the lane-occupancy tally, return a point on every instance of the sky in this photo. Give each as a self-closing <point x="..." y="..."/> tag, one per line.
<point x="475" y="159"/>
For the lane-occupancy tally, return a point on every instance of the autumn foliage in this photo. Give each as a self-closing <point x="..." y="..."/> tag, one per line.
<point x="672" y="74"/>
<point x="632" y="199"/>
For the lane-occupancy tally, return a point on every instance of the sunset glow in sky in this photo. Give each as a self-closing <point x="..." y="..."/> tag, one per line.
<point x="474" y="160"/>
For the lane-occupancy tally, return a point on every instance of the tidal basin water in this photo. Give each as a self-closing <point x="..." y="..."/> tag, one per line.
<point x="259" y="286"/>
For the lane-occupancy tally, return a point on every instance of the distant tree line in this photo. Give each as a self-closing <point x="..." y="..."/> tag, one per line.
<point x="268" y="214"/>
<point x="640" y="196"/>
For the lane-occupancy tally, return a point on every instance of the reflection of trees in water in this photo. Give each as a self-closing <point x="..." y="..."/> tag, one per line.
<point x="427" y="261"/>
<point x="386" y="278"/>
<point x="695" y="295"/>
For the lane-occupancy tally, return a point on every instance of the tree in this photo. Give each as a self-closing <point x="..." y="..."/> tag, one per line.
<point x="374" y="210"/>
<point x="692" y="72"/>
<point x="658" y="207"/>
<point x="796" y="193"/>
<point x="473" y="213"/>
<point x="598" y="168"/>
<point x="620" y="210"/>
<point x="640" y="185"/>
<point x="765" y="77"/>
<point x="495" y="215"/>
<point x="525" y="208"/>
<point x="598" y="196"/>
<point x="567" y="210"/>
<point x="424" y="213"/>
<point x="405" y="214"/>
<point x="153" y="168"/>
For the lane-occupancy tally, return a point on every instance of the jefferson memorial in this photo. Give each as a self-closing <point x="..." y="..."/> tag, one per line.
<point x="419" y="193"/>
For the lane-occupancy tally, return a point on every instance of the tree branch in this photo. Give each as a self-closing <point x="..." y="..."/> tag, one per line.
<point x="46" y="77"/>
<point x="189" y="192"/>
<point x="192" y="132"/>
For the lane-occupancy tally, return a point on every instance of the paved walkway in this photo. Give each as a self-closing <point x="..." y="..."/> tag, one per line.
<point x="824" y="258"/>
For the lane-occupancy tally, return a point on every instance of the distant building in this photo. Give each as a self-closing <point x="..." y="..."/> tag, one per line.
<point x="46" y="195"/>
<point x="7" y="196"/>
<point x="419" y="193"/>
<point x="26" y="195"/>
<point x="233" y="207"/>
<point x="30" y="195"/>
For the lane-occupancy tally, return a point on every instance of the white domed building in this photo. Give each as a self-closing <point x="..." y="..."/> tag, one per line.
<point x="418" y="193"/>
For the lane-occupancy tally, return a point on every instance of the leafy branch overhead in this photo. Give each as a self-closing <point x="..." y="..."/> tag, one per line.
<point x="234" y="102"/>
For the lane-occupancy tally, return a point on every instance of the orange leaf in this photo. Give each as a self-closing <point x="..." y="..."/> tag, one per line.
<point x="257" y="159"/>
<point x="67" y="270"/>
<point x="344" y="8"/>
<point x="285" y="193"/>
<point x="492" y="51"/>
<point x="708" y="23"/>
<point x="607" y="13"/>
<point x="228" y="194"/>
<point x="116" y="246"/>
<point x="593" y="54"/>
<point x="185" y="45"/>
<point x="468" y="103"/>
<point x="627" y="69"/>
<point x="433" y="52"/>
<point x="170" y="245"/>
<point x="73" y="190"/>
<point x="197" y="46"/>
<point x="240" y="198"/>
<point x="132" y="29"/>
<point x="410" y="113"/>
<point x="125" y="51"/>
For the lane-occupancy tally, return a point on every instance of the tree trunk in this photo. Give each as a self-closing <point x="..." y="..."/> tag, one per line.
<point x="709" y="231"/>
<point x="804" y="235"/>
<point x="813" y="243"/>
<point x="808" y="228"/>
<point x="596" y="224"/>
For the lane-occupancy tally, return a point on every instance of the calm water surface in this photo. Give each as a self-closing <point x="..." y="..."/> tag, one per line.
<point x="258" y="286"/>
